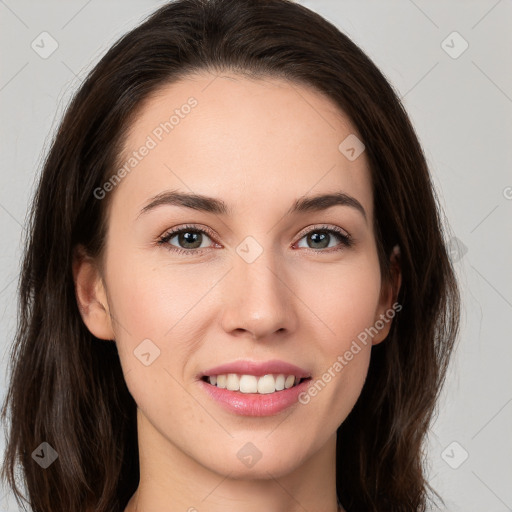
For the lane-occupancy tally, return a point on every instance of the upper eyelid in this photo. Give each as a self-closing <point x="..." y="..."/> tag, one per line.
<point x="200" y="228"/>
<point x="320" y="227"/>
<point x="173" y="232"/>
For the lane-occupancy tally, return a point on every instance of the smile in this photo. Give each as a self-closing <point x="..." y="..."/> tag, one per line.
<point x="263" y="385"/>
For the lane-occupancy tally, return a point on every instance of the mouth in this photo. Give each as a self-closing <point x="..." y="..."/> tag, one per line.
<point x="253" y="384"/>
<point x="255" y="388"/>
<point x="253" y="395"/>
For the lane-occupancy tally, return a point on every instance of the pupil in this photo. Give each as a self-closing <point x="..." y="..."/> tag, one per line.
<point x="190" y="238"/>
<point x="320" y="237"/>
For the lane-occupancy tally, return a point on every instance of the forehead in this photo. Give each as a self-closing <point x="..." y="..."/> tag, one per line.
<point x="240" y="139"/>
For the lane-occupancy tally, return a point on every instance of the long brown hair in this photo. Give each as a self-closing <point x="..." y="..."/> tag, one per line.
<point x="67" y="387"/>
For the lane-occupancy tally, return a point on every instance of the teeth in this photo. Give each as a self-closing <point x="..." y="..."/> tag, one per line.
<point x="267" y="384"/>
<point x="233" y="382"/>
<point x="221" y="381"/>
<point x="252" y="384"/>
<point x="289" y="382"/>
<point x="248" y="384"/>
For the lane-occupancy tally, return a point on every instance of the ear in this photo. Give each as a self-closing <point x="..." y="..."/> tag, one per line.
<point x="91" y="295"/>
<point x="388" y="296"/>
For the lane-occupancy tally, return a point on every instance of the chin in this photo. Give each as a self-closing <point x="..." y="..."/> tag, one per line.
<point x="248" y="462"/>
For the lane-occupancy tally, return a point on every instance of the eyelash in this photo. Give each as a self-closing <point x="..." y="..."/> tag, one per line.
<point x="343" y="237"/>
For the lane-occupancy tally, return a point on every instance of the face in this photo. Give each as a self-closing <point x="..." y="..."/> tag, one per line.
<point x="254" y="279"/>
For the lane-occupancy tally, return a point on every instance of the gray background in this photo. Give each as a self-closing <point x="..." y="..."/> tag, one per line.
<point x="461" y="106"/>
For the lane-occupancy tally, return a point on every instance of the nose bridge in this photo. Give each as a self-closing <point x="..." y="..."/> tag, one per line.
<point x="259" y="299"/>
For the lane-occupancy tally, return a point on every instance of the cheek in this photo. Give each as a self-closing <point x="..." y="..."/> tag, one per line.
<point x="152" y="302"/>
<point x="156" y="333"/>
<point x="346" y="299"/>
<point x="162" y="310"/>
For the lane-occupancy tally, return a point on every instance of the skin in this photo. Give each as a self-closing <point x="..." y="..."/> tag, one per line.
<point x="258" y="145"/>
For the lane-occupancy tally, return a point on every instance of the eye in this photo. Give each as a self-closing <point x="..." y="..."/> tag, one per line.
<point x="323" y="237"/>
<point x="188" y="238"/>
<point x="192" y="240"/>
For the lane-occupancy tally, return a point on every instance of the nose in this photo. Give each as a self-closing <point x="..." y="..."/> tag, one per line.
<point x="258" y="298"/>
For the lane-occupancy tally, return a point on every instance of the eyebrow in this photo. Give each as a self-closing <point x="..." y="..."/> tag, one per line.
<point x="207" y="204"/>
<point x="324" y="201"/>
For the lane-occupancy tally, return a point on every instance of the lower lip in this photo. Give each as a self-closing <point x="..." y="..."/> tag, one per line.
<point x="254" y="404"/>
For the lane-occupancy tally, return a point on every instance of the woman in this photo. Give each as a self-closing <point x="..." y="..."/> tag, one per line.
<point x="236" y="294"/>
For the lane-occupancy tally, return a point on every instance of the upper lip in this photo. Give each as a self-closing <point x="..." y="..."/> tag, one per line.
<point x="257" y="368"/>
